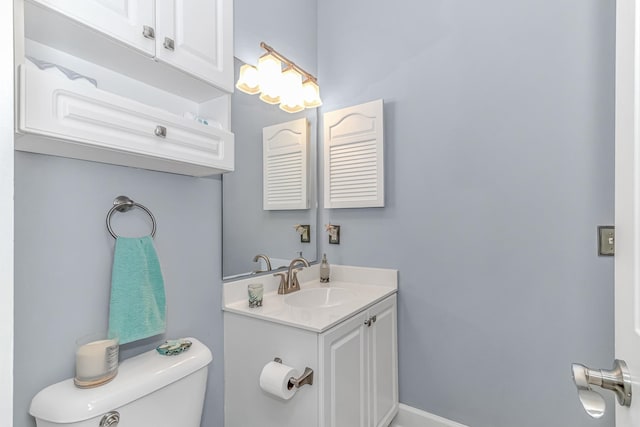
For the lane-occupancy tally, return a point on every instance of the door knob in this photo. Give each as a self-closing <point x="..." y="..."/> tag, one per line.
<point x="617" y="380"/>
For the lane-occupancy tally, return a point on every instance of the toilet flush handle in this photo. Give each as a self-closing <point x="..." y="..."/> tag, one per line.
<point x="110" y="419"/>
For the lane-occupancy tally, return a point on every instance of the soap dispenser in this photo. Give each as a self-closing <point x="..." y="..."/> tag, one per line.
<point x="325" y="269"/>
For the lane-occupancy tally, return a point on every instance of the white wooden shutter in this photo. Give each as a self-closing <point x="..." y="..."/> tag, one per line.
<point x="285" y="157"/>
<point x="354" y="157"/>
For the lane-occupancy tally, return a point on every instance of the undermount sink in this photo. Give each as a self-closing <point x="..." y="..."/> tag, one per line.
<point x="319" y="297"/>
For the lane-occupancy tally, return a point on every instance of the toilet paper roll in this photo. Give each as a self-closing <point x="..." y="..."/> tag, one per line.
<point x="274" y="379"/>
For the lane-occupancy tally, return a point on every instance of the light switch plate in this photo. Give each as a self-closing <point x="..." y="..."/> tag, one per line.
<point x="606" y="240"/>
<point x="305" y="236"/>
<point x="334" y="235"/>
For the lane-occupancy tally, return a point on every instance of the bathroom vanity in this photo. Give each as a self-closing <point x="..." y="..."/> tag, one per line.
<point x="346" y="332"/>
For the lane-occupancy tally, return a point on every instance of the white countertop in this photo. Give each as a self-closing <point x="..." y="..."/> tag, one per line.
<point x="367" y="285"/>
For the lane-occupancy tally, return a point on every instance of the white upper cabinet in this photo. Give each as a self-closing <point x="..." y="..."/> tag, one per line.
<point x="162" y="70"/>
<point x="123" y="20"/>
<point x="192" y="36"/>
<point x="192" y="40"/>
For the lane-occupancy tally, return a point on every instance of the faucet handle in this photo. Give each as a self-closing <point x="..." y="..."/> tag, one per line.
<point x="283" y="282"/>
<point x="295" y="284"/>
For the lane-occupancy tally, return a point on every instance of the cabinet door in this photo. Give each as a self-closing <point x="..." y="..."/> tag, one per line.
<point x="123" y="20"/>
<point x="196" y="36"/>
<point x="383" y="363"/>
<point x="344" y="383"/>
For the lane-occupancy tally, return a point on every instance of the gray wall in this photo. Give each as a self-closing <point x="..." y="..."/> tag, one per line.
<point x="63" y="257"/>
<point x="499" y="166"/>
<point x="289" y="26"/>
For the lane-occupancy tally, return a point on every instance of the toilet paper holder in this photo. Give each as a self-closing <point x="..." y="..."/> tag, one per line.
<point x="305" y="378"/>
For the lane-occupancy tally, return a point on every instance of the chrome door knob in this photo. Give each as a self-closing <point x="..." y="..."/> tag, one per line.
<point x="617" y="380"/>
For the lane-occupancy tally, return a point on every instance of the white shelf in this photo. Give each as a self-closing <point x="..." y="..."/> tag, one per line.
<point x="80" y="121"/>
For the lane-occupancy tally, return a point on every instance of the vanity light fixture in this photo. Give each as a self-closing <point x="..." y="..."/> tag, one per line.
<point x="270" y="78"/>
<point x="293" y="88"/>
<point x="248" y="81"/>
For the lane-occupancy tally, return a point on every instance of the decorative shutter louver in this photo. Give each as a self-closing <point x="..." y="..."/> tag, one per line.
<point x="285" y="153"/>
<point x="354" y="157"/>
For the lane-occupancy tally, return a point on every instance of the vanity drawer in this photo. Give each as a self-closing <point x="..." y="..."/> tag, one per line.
<point x="83" y="122"/>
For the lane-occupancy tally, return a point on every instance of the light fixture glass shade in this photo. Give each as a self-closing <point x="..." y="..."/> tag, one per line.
<point x="248" y="80"/>
<point x="311" y="94"/>
<point x="269" y="78"/>
<point x="291" y="99"/>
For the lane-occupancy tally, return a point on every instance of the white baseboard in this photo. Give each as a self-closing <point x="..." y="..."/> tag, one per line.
<point x="412" y="417"/>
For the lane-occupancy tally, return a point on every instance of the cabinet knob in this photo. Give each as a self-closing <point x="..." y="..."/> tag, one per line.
<point x="160" y="131"/>
<point x="148" y="32"/>
<point x="370" y="321"/>
<point x="168" y="44"/>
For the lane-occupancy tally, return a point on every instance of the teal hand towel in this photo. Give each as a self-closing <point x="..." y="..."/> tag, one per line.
<point x="138" y="304"/>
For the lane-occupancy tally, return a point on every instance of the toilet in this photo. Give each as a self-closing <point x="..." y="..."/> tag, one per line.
<point x="150" y="390"/>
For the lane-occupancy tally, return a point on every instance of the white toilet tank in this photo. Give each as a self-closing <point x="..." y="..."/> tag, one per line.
<point x="150" y="390"/>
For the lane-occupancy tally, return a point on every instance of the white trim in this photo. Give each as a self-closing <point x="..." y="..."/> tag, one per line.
<point x="6" y="212"/>
<point x="627" y="197"/>
<point x="412" y="417"/>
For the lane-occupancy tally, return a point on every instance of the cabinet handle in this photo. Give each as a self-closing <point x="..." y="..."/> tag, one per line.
<point x="168" y="44"/>
<point x="160" y="131"/>
<point x="374" y="318"/>
<point x="370" y="321"/>
<point x="148" y="32"/>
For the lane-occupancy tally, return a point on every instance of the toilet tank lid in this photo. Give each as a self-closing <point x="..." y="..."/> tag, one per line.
<point x="138" y="376"/>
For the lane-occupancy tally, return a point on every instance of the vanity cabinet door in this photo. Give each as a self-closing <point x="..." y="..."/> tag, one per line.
<point x="196" y="36"/>
<point x="383" y="362"/>
<point x="344" y="386"/>
<point x="123" y="20"/>
<point x="359" y="368"/>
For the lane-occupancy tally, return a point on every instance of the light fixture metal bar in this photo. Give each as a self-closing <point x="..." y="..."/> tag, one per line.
<point x="290" y="63"/>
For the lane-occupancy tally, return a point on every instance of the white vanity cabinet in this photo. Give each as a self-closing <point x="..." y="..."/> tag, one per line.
<point x="359" y="369"/>
<point x="354" y="359"/>
<point x="194" y="36"/>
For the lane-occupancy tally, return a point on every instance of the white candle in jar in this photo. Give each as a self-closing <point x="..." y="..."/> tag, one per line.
<point x="95" y="359"/>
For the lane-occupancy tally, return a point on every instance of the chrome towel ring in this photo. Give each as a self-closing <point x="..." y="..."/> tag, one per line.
<point x="125" y="204"/>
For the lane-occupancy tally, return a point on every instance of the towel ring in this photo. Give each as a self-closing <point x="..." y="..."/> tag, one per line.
<point x="125" y="204"/>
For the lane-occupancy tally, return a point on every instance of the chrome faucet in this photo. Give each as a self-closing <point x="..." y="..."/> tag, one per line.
<point x="289" y="280"/>
<point x="265" y="258"/>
